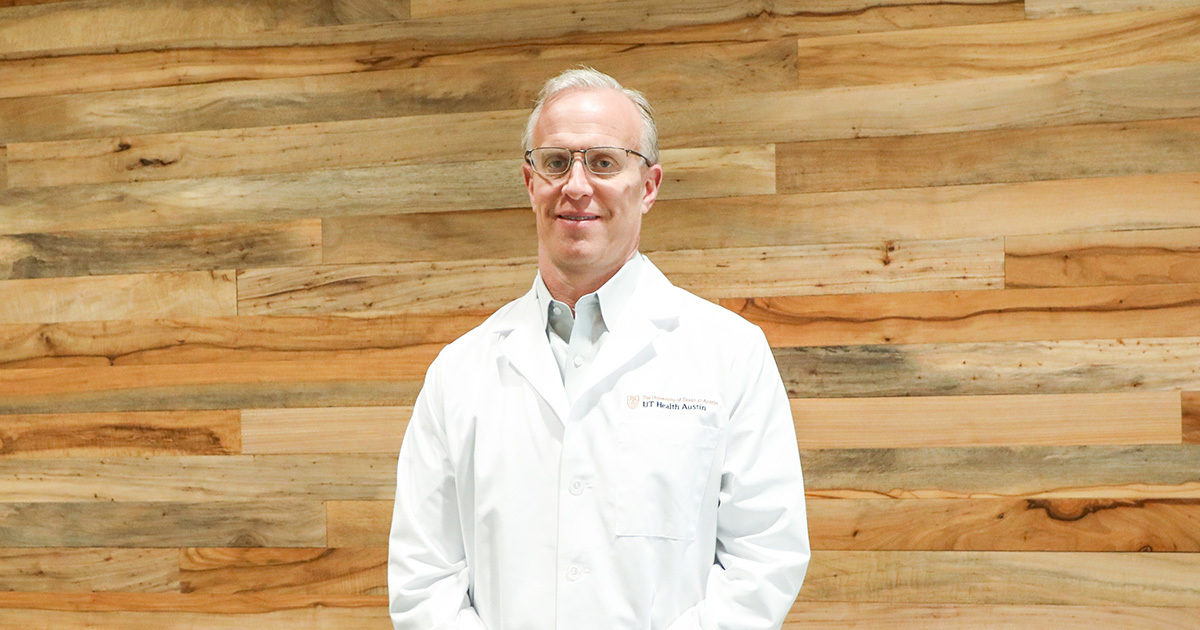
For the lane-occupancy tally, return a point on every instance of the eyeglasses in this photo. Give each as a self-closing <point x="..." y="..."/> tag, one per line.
<point x="603" y="161"/>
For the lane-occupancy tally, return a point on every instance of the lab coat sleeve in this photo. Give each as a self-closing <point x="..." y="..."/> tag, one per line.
<point x="428" y="575"/>
<point x="762" y="548"/>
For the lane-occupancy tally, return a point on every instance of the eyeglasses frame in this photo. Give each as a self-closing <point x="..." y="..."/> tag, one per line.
<point x="582" y="159"/>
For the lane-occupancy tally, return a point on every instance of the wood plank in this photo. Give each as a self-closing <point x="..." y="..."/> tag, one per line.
<point x="1012" y="420"/>
<point x="110" y="23"/>
<point x="805" y="614"/>
<point x="325" y="430"/>
<point x="979" y="157"/>
<point x="172" y="294"/>
<point x="981" y="368"/>
<point x="1058" y="8"/>
<point x="997" y="577"/>
<point x="1047" y="472"/>
<point x="179" y="603"/>
<point x="190" y="479"/>
<point x="960" y="52"/>
<point x="358" y="523"/>
<point x="429" y="236"/>
<point x="314" y="618"/>
<point x="284" y="571"/>
<point x="404" y="339"/>
<point x="425" y="287"/>
<point x="101" y="252"/>
<point x="1191" y="417"/>
<point x="236" y="385"/>
<point x="1005" y="525"/>
<point x="1102" y="258"/>
<point x="84" y="570"/>
<point x="1166" y="310"/>
<point x="273" y="523"/>
<point x="118" y="434"/>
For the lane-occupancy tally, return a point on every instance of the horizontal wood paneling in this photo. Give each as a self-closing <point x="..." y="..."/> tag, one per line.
<point x="324" y="430"/>
<point x="86" y="570"/>
<point x="898" y="616"/>
<point x="1056" y="8"/>
<point x="132" y="433"/>
<point x="1103" y="258"/>
<point x="182" y="294"/>
<point x="1191" y="417"/>
<point x="284" y="571"/>
<point x="215" y="604"/>
<point x="1139" y="418"/>
<point x="272" y="523"/>
<point x="1005" y="524"/>
<point x="978" y="157"/>
<point x="959" y="316"/>
<point x="314" y="618"/>
<point x="358" y="523"/>
<point x="975" y="368"/>
<point x="1070" y="472"/>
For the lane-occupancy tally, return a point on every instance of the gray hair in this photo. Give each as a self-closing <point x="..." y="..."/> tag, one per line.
<point x="585" y="78"/>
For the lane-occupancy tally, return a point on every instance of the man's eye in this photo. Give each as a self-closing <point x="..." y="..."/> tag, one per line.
<point x="555" y="164"/>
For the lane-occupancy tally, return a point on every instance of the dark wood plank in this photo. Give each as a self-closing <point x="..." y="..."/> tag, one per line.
<point x="1191" y="417"/>
<point x="275" y="523"/>
<point x="977" y="157"/>
<point x="168" y="294"/>
<point x="1069" y="472"/>
<point x="87" y="570"/>
<point x="1168" y="310"/>
<point x="1102" y="258"/>
<point x="191" y="479"/>
<point x="134" y="433"/>
<point x="1005" y="524"/>
<point x="168" y="249"/>
<point x="969" y="369"/>
<point x="903" y="616"/>
<point x="284" y="571"/>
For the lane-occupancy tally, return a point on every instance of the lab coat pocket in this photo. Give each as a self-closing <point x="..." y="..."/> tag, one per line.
<point x="664" y="467"/>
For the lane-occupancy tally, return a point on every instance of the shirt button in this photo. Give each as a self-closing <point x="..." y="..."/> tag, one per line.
<point x="578" y="361"/>
<point x="577" y="487"/>
<point x="574" y="573"/>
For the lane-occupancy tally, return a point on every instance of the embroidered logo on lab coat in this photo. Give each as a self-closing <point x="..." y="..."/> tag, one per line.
<point x="670" y="403"/>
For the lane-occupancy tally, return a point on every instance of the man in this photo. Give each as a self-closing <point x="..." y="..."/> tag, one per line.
<point x="608" y="451"/>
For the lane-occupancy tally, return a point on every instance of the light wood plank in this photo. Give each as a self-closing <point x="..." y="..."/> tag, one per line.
<point x="1057" y="8"/>
<point x="395" y="340"/>
<point x="85" y="570"/>
<point x="1191" y="417"/>
<point x="235" y="385"/>
<point x="284" y="571"/>
<point x="178" y="603"/>
<point x="1013" y="420"/>
<point x="117" y="434"/>
<point x="324" y="430"/>
<point x="994" y="577"/>
<point x="1058" y="472"/>
<point x="172" y="249"/>
<point x="977" y="157"/>
<point x="275" y="523"/>
<point x="1102" y="258"/>
<point x="429" y="236"/>
<point x="1167" y="310"/>
<point x="1005" y="525"/>
<point x="972" y="369"/>
<point x="833" y="615"/>
<point x="174" y="294"/>
<point x="314" y="618"/>
<point x="190" y="479"/>
<point x="358" y="523"/>
<point x="960" y="52"/>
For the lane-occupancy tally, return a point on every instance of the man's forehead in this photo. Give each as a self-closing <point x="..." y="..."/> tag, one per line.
<point x="590" y="111"/>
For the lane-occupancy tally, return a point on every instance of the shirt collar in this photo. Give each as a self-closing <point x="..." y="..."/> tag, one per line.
<point x="614" y="295"/>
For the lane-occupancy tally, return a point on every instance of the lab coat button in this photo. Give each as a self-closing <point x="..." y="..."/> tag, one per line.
<point x="578" y="360"/>
<point x="574" y="573"/>
<point x="577" y="487"/>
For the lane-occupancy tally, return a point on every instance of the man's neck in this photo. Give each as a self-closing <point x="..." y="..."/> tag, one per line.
<point x="567" y="287"/>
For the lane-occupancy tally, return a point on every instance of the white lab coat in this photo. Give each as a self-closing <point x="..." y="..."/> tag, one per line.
<point x="518" y="510"/>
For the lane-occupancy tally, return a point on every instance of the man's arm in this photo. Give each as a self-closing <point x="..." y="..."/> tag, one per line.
<point x="762" y="533"/>
<point x="428" y="575"/>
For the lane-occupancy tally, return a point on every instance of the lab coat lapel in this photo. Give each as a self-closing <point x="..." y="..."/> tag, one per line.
<point x="526" y="349"/>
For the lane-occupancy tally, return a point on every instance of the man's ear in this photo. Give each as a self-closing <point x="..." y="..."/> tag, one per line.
<point x="652" y="181"/>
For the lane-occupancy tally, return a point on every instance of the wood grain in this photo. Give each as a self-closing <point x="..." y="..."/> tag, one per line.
<point x="1168" y="310"/>
<point x="284" y="571"/>
<point x="1047" y="472"/>
<point x="190" y="479"/>
<point x="1013" y="420"/>
<point x="117" y="434"/>
<point x="1102" y="258"/>
<point x="275" y="523"/>
<point x="358" y="523"/>
<point x="1057" y="8"/>
<point x="977" y="157"/>
<point x="172" y="294"/>
<point x="830" y="615"/>
<point x="395" y="340"/>
<point x="325" y="430"/>
<point x="182" y="603"/>
<point x="315" y="618"/>
<point x="959" y="52"/>
<point x="86" y="570"/>
<point x="1005" y="525"/>
<point x="980" y="368"/>
<point x="100" y="252"/>
<point x="235" y="385"/>
<point x="1191" y="417"/>
<point x="995" y="577"/>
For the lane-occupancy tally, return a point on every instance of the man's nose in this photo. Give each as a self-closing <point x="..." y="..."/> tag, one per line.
<point x="577" y="184"/>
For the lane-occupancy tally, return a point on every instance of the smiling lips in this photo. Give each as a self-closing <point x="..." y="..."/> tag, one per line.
<point x="578" y="217"/>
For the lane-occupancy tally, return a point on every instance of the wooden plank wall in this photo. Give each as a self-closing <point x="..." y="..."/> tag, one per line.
<point x="234" y="234"/>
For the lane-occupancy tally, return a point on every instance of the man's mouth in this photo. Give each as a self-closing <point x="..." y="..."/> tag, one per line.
<point x="578" y="217"/>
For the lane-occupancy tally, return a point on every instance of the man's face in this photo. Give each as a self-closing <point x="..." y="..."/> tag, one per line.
<point x="586" y="223"/>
